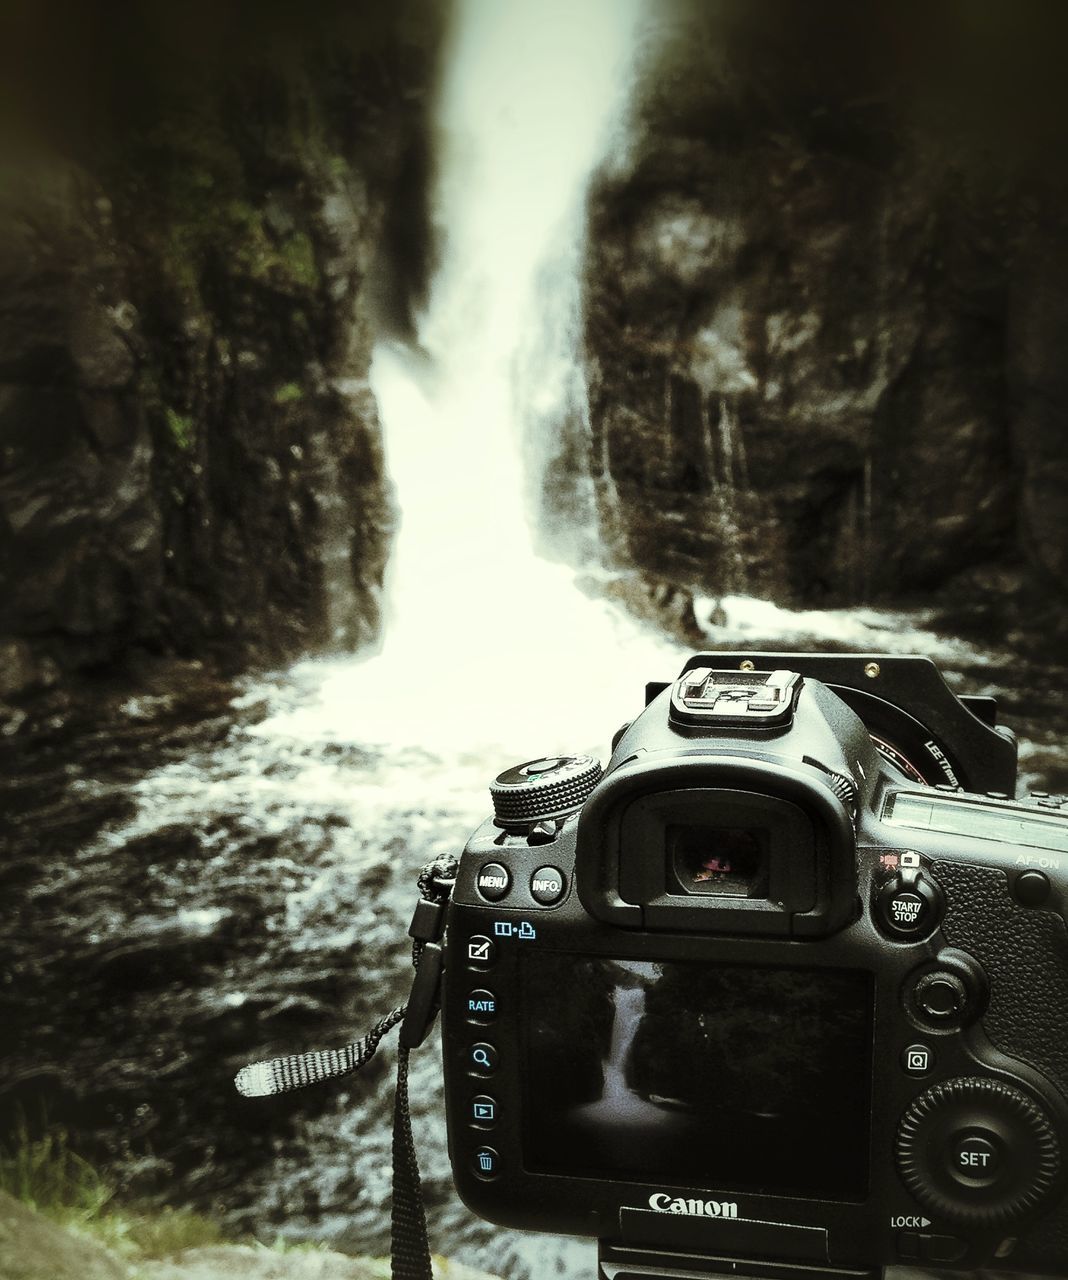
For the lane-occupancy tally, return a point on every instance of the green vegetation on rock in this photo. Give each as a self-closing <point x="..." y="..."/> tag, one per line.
<point x="180" y="426"/>
<point x="48" y="1176"/>
<point x="95" y="1237"/>
<point x="288" y="393"/>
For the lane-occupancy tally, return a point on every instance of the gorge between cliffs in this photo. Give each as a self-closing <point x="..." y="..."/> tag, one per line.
<point x="387" y="399"/>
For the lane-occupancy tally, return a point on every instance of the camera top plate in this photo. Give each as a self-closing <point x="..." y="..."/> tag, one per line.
<point x="744" y="699"/>
<point x="914" y="718"/>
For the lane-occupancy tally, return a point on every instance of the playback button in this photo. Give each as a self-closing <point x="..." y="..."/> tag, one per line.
<point x="483" y="1111"/>
<point x="975" y="1157"/>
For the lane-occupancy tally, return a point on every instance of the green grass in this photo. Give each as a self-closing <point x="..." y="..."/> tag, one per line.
<point x="47" y="1175"/>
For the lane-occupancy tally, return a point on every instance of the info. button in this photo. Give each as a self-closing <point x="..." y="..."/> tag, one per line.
<point x="547" y="885"/>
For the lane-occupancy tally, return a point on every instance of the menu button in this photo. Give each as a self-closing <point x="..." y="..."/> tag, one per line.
<point x="493" y="881"/>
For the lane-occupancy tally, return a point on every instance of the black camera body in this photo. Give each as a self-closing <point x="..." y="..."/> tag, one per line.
<point x="783" y="993"/>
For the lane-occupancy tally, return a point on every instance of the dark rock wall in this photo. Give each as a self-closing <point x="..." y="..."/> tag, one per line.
<point x="825" y="298"/>
<point x="190" y="260"/>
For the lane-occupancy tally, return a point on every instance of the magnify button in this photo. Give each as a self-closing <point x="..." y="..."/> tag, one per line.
<point x="483" y="1059"/>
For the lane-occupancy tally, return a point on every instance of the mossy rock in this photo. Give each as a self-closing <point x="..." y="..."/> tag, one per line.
<point x="32" y="1248"/>
<point x="241" y="1262"/>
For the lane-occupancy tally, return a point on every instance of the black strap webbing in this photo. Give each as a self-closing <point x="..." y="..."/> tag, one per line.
<point x="282" y="1075"/>
<point x="409" y="1244"/>
<point x="409" y="1241"/>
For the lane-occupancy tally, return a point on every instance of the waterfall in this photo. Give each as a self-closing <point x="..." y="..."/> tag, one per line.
<point x="485" y="642"/>
<point x="629" y="1006"/>
<point x="526" y="111"/>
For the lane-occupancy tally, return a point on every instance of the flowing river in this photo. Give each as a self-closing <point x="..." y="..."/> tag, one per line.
<point x="202" y="874"/>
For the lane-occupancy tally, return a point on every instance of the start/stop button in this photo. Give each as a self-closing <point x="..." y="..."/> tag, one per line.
<point x="908" y="906"/>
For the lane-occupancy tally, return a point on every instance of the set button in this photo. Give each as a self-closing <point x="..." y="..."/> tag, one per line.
<point x="976" y="1158"/>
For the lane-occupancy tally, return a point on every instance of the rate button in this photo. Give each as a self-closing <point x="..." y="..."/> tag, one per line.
<point x="481" y="1005"/>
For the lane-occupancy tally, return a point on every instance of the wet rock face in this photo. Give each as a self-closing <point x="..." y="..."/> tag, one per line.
<point x="190" y="455"/>
<point x="81" y="545"/>
<point x="820" y="354"/>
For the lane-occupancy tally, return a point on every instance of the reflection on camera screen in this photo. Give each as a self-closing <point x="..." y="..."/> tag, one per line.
<point x="748" y="1079"/>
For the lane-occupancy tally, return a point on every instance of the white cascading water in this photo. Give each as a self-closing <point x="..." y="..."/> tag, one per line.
<point x="629" y="1007"/>
<point x="487" y="647"/>
<point x="486" y="644"/>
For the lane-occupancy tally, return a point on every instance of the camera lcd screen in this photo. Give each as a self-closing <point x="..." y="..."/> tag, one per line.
<point x="715" y="1076"/>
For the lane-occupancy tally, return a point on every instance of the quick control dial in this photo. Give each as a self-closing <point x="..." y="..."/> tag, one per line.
<point x="977" y="1152"/>
<point x="539" y="790"/>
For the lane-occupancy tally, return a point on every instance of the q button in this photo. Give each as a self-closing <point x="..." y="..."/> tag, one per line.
<point x="482" y="1059"/>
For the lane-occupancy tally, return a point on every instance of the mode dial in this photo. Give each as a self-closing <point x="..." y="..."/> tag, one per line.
<point x="550" y="787"/>
<point x="977" y="1152"/>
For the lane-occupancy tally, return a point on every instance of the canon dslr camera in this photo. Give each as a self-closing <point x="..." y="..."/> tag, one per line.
<point x="783" y="993"/>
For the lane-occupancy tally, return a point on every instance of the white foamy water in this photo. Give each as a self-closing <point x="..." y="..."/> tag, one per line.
<point x="488" y="647"/>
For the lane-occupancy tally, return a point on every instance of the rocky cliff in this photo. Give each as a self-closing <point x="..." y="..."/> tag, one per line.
<point x="195" y="221"/>
<point x="826" y="293"/>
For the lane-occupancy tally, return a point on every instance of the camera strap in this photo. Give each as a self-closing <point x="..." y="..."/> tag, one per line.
<point x="409" y="1243"/>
